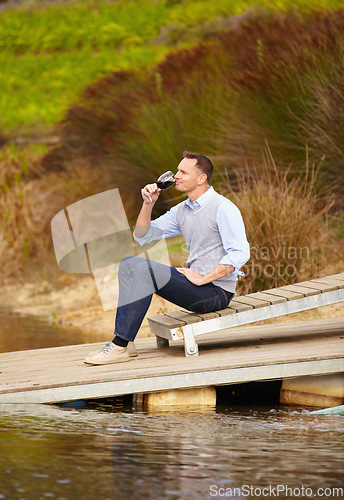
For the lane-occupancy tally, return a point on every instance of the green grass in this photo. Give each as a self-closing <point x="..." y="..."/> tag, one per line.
<point x="50" y="52"/>
<point x="53" y="81"/>
<point x="70" y="25"/>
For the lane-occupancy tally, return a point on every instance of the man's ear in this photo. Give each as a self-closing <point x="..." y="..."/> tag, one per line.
<point x="202" y="179"/>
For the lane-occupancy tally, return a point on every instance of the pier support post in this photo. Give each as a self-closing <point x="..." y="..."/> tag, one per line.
<point x="161" y="342"/>
<point x="318" y="390"/>
<point x="196" y="396"/>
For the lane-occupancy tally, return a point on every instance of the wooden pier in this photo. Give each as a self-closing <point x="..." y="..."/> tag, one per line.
<point x="229" y="356"/>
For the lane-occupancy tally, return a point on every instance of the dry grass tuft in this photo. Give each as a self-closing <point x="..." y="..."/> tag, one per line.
<point x="284" y="221"/>
<point x="29" y="198"/>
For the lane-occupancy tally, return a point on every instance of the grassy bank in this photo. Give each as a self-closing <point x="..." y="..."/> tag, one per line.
<point x="49" y="51"/>
<point x="273" y="80"/>
<point x="260" y="93"/>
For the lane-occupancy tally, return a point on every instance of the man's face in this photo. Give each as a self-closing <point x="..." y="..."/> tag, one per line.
<point x="187" y="177"/>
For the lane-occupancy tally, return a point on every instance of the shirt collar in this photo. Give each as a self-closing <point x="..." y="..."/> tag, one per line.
<point x="201" y="201"/>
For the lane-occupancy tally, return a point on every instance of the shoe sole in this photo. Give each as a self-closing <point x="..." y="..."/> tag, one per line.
<point x="131" y="354"/>
<point x="106" y="362"/>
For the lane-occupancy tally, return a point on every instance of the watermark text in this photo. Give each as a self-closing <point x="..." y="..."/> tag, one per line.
<point x="270" y="491"/>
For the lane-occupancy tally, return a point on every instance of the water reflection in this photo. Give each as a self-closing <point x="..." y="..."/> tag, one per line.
<point x="19" y="332"/>
<point x="50" y="451"/>
<point x="107" y="450"/>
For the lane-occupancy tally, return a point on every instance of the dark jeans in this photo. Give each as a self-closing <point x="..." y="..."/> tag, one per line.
<point x="140" y="278"/>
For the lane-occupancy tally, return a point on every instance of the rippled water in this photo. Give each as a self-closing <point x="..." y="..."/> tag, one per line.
<point x="106" y="450"/>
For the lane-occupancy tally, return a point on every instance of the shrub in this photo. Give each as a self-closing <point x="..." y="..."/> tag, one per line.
<point x="29" y="198"/>
<point x="284" y="225"/>
<point x="272" y="79"/>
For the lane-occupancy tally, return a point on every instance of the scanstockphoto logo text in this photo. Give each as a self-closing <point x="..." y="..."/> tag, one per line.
<point x="275" y="491"/>
<point x="269" y="262"/>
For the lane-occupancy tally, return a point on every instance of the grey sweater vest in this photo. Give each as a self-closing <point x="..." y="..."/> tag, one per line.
<point x="203" y="240"/>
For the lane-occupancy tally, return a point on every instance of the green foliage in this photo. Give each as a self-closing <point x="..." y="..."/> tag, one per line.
<point x="49" y="51"/>
<point x="282" y="88"/>
<point x="69" y="26"/>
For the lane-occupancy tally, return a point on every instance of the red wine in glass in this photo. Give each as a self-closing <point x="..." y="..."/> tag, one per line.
<point x="165" y="180"/>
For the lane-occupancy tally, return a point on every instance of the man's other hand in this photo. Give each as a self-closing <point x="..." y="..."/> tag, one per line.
<point x="194" y="276"/>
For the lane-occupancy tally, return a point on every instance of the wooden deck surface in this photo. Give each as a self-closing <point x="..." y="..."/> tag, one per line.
<point x="230" y="356"/>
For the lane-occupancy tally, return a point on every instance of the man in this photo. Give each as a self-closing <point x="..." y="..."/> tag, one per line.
<point x="214" y="232"/>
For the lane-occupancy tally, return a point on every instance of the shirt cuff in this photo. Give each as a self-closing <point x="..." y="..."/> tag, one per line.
<point x="228" y="261"/>
<point x="153" y="234"/>
<point x="146" y="238"/>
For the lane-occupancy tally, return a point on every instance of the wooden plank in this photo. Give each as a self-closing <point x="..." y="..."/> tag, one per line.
<point x="28" y="353"/>
<point x="164" y="331"/>
<point x="338" y="276"/>
<point x="203" y="316"/>
<point x="307" y="292"/>
<point x="247" y="300"/>
<point x="186" y="317"/>
<point x="228" y="310"/>
<point x="279" y="292"/>
<point x="323" y="287"/>
<point x="238" y="306"/>
<point x="339" y="284"/>
<point x="210" y="315"/>
<point x="167" y="321"/>
<point x="272" y="299"/>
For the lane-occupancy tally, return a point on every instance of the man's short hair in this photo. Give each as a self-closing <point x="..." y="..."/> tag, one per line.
<point x="203" y="163"/>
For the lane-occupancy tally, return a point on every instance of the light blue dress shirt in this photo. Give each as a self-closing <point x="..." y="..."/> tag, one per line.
<point x="230" y="224"/>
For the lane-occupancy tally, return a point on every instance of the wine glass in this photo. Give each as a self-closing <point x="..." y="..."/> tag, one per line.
<point x="165" y="180"/>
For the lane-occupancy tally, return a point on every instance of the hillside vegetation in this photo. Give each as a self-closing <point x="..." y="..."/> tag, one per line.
<point x="49" y="51"/>
<point x="259" y="90"/>
<point x="273" y="80"/>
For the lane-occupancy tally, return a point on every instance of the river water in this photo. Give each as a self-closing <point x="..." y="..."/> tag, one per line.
<point x="108" y="450"/>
